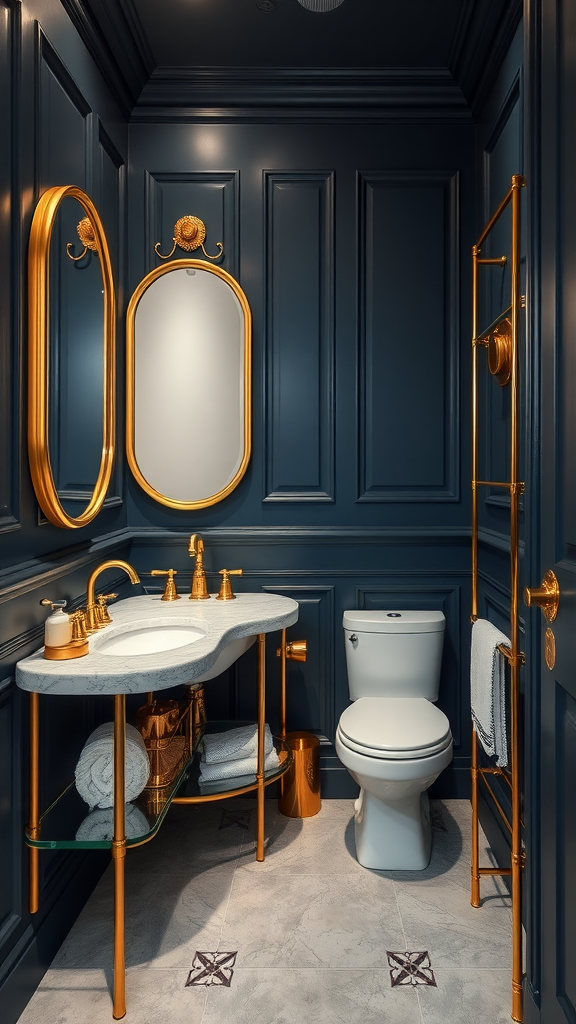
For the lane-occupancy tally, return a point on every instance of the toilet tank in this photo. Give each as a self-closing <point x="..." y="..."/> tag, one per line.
<point x="394" y="653"/>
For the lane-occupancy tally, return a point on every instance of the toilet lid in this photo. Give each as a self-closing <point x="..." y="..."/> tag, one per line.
<point x="395" y="727"/>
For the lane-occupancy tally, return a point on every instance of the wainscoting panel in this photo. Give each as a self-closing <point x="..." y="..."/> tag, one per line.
<point x="299" y="224"/>
<point x="213" y="196"/>
<point x="63" y="156"/>
<point x="409" y="338"/>
<point x="9" y="262"/>
<point x="11" y="813"/>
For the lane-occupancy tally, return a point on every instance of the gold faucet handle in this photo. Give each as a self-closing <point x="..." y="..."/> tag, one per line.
<point x="225" y="593"/>
<point x="78" y="623"/>
<point x="170" y="592"/>
<point x="102" y="611"/>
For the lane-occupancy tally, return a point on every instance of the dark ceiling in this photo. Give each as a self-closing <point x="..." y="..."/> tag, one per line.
<point x="358" y="34"/>
<point x="369" y="58"/>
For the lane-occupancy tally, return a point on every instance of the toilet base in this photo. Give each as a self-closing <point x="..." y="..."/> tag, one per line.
<point x="393" y="836"/>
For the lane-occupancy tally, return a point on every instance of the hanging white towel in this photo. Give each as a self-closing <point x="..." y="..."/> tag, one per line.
<point x="95" y="769"/>
<point x="98" y="826"/>
<point x="235" y="744"/>
<point x="487" y="689"/>
<point x="232" y="769"/>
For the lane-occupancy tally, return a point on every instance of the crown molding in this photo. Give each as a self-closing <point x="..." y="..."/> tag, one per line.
<point x="296" y="94"/>
<point x="114" y="37"/>
<point x="482" y="38"/>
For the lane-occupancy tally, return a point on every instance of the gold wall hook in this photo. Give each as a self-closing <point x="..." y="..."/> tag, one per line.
<point x="189" y="234"/>
<point x="170" y="592"/>
<point x="87" y="236"/>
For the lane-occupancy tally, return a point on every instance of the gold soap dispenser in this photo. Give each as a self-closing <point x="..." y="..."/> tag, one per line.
<point x="62" y="637"/>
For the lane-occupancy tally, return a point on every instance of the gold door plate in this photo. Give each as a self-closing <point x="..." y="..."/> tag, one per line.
<point x="550" y="648"/>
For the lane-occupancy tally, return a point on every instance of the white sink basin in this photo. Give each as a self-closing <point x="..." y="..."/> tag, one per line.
<point x="149" y="640"/>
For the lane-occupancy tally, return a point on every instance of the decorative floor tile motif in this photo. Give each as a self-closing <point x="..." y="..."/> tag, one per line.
<point x="212" y="969"/>
<point x="410" y="969"/>
<point x="240" y="818"/>
<point x="438" y="820"/>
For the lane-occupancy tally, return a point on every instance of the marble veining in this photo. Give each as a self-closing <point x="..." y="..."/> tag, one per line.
<point x="222" y="622"/>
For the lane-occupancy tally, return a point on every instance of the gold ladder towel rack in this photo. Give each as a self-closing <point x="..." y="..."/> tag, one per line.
<point x="502" y="339"/>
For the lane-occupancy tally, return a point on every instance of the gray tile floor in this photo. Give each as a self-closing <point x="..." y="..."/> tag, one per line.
<point x="310" y="928"/>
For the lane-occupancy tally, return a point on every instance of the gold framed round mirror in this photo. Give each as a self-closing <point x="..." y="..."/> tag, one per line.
<point x="45" y="414"/>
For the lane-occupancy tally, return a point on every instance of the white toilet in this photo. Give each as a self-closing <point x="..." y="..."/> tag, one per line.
<point x="392" y="739"/>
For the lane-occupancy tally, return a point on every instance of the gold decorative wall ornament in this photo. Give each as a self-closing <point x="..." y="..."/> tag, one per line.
<point x="39" y="358"/>
<point x="500" y="352"/>
<point x="86" y="235"/>
<point x="188" y="384"/>
<point x="189" y="234"/>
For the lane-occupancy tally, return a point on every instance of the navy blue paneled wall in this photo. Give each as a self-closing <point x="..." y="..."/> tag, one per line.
<point x="59" y="125"/>
<point x="351" y="242"/>
<point x="500" y="154"/>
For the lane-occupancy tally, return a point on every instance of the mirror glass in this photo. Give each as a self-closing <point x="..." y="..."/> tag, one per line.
<point x="71" y="357"/>
<point x="76" y="361"/>
<point x="188" y="376"/>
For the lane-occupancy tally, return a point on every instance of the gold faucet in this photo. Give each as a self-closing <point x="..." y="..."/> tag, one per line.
<point x="93" y="610"/>
<point x="196" y="550"/>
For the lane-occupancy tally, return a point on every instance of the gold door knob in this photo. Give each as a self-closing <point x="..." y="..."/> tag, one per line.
<point x="546" y="596"/>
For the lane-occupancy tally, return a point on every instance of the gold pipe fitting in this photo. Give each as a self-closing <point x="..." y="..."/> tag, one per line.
<point x="170" y="592"/>
<point x="225" y="593"/>
<point x="196" y="550"/>
<point x="296" y="650"/>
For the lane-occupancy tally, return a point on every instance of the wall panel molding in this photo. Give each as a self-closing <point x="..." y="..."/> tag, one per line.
<point x="300" y="353"/>
<point x="10" y="250"/>
<point x="10" y="814"/>
<point x="408" y="298"/>
<point x="60" y="101"/>
<point x="310" y="688"/>
<point x="213" y="196"/>
<point x="25" y="577"/>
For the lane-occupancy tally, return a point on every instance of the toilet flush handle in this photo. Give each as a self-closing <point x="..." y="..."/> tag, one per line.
<point x="353" y="638"/>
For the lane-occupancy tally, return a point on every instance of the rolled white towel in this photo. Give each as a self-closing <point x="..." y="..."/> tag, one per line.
<point x="98" y="826"/>
<point x="235" y="744"/>
<point x="95" y="769"/>
<point x="232" y="769"/>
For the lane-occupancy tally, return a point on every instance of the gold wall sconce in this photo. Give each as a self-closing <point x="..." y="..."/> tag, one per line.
<point x="87" y="236"/>
<point x="189" y="234"/>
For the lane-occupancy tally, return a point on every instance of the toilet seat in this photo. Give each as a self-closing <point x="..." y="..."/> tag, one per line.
<point x="398" y="728"/>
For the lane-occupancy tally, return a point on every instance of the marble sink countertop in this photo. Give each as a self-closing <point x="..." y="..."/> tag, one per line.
<point x="222" y="621"/>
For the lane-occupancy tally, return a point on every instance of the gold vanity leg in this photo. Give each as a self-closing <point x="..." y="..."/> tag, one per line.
<point x="260" y="762"/>
<point x="118" y="855"/>
<point x="34" y="823"/>
<point x="475" y="880"/>
<point x="282" y="697"/>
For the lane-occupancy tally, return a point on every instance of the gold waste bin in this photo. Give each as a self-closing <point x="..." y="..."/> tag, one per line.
<point x="300" y="786"/>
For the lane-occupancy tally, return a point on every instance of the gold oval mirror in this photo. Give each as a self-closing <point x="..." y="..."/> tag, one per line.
<point x="188" y="370"/>
<point x="71" y="357"/>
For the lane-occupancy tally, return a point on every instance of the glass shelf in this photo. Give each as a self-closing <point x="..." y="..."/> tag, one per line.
<point x="60" y="823"/>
